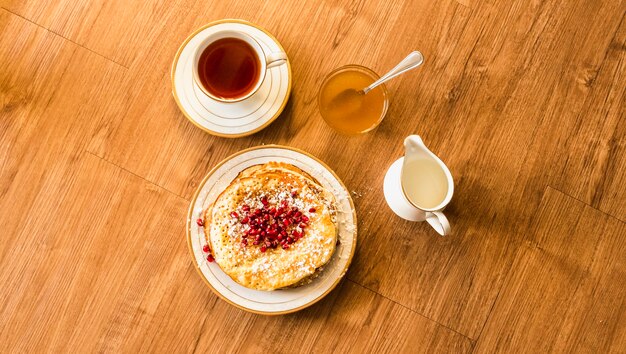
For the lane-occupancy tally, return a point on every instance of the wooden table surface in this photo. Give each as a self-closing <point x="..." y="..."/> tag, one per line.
<point x="524" y="100"/>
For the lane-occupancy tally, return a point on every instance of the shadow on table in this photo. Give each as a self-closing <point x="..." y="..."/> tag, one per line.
<point x="281" y="129"/>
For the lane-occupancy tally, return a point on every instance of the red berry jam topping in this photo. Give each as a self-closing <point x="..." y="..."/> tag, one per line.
<point x="271" y="226"/>
<point x="206" y="249"/>
<point x="200" y="222"/>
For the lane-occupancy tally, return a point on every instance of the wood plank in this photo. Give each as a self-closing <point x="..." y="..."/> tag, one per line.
<point x="117" y="30"/>
<point x="567" y="288"/>
<point x="350" y="319"/>
<point x="80" y="281"/>
<point x="579" y="145"/>
<point x="52" y="93"/>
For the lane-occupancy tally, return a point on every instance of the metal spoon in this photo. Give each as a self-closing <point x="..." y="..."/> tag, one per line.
<point x="350" y="99"/>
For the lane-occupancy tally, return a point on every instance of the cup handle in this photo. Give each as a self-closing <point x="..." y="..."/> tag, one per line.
<point x="439" y="222"/>
<point x="275" y="59"/>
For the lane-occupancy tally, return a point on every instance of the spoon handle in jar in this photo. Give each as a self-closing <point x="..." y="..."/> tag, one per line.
<point x="412" y="61"/>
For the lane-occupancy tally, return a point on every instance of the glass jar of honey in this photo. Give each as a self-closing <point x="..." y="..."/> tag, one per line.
<point x="343" y="105"/>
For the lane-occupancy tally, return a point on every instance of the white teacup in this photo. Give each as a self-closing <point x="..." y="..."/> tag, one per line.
<point x="266" y="60"/>
<point x="400" y="203"/>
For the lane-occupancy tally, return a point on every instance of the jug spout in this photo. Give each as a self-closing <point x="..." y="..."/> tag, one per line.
<point x="414" y="146"/>
<point x="413" y="140"/>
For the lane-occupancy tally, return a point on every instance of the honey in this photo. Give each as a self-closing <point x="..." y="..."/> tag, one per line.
<point x="346" y="109"/>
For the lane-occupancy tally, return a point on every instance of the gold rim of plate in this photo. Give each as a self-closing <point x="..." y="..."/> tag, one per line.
<point x="180" y="107"/>
<point x="190" y="219"/>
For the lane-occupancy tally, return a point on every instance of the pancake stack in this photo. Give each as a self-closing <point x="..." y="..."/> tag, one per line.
<point x="273" y="227"/>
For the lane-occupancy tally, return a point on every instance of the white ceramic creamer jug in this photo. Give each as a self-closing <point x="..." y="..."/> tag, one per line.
<point x="419" y="185"/>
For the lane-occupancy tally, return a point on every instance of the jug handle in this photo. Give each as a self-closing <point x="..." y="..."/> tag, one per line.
<point x="439" y="222"/>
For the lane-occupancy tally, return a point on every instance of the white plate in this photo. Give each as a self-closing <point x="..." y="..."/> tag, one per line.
<point x="230" y="119"/>
<point x="284" y="300"/>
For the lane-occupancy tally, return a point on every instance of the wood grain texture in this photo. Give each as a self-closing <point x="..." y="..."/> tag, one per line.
<point x="567" y="285"/>
<point x="352" y="318"/>
<point x="107" y="277"/>
<point x="523" y="100"/>
<point x="578" y="146"/>
<point x="113" y="29"/>
<point x="43" y="130"/>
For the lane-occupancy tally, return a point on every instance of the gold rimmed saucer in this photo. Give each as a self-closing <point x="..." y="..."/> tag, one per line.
<point x="236" y="119"/>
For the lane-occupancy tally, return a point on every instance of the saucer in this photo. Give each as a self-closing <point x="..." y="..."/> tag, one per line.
<point x="235" y="119"/>
<point x="279" y="301"/>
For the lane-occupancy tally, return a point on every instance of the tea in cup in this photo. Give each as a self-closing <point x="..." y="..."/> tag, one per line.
<point x="230" y="66"/>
